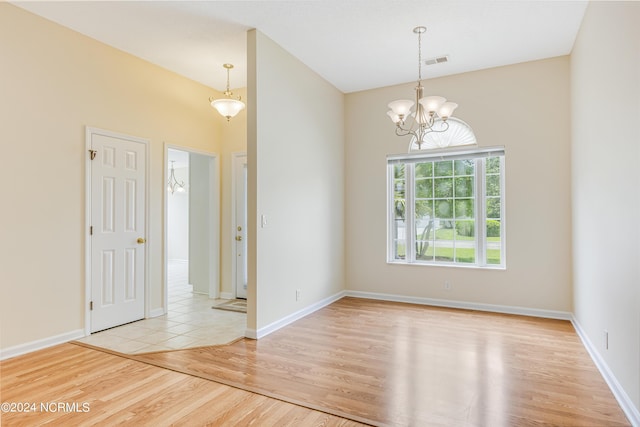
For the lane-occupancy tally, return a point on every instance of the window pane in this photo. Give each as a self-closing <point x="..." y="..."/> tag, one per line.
<point x="424" y="188"/>
<point x="399" y="230"/>
<point x="443" y="245"/>
<point x="444" y="187"/>
<point x="424" y="239"/>
<point x="398" y="189"/>
<point x="466" y="230"/>
<point x="444" y="168"/>
<point x="444" y="209"/>
<point x="493" y="185"/>
<point x="465" y="254"/>
<point x="398" y="171"/>
<point x="399" y="235"/>
<point x="493" y="165"/>
<point x="464" y="167"/>
<point x="464" y="187"/>
<point x="464" y="208"/>
<point x="493" y="230"/>
<point x="399" y="207"/>
<point x="398" y="224"/>
<point x="400" y="250"/>
<point x="424" y="170"/>
<point x="424" y="210"/>
<point x="493" y="256"/>
<point x="493" y="207"/>
<point x="465" y="241"/>
<point x="493" y="242"/>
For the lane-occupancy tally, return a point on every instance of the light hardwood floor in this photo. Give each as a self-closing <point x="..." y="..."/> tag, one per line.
<point x="409" y="365"/>
<point x="121" y="391"/>
<point x="373" y="362"/>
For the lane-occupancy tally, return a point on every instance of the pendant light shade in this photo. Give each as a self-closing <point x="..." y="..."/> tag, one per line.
<point x="227" y="107"/>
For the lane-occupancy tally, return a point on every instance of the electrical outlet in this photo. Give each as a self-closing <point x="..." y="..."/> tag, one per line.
<point x="298" y="294"/>
<point x="447" y="286"/>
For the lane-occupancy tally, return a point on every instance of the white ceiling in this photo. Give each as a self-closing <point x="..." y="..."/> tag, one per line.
<point x="354" y="44"/>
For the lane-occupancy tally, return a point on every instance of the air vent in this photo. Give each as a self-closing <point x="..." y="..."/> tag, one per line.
<point x="437" y="60"/>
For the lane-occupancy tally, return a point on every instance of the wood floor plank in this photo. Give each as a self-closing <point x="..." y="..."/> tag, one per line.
<point x="121" y="391"/>
<point x="402" y="364"/>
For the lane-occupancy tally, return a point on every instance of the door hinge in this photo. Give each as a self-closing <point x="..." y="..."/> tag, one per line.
<point x="91" y="230"/>
<point x="92" y="154"/>
<point x="90" y="305"/>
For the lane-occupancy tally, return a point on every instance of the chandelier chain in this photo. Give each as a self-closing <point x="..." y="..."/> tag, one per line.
<point x="419" y="57"/>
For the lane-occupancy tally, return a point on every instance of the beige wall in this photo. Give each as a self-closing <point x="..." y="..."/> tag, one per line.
<point x="523" y="107"/>
<point x="54" y="82"/>
<point x="605" y="76"/>
<point x="296" y="179"/>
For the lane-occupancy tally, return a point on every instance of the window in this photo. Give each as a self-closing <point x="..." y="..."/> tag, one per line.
<point x="447" y="208"/>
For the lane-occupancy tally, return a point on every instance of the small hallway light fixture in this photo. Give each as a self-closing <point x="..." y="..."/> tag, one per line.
<point x="228" y="106"/>
<point x="173" y="185"/>
<point x="431" y="116"/>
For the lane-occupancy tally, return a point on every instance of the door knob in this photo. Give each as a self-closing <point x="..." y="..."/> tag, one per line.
<point x="141" y="240"/>
<point x="238" y="238"/>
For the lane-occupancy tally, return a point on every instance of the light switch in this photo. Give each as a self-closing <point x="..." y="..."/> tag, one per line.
<point x="263" y="221"/>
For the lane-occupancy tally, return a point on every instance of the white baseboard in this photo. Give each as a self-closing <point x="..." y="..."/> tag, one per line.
<point x="523" y="311"/>
<point x="621" y="396"/>
<point x="40" y="344"/>
<point x="278" y="324"/>
<point x="226" y="295"/>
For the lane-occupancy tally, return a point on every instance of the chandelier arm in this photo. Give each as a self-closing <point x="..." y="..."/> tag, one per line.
<point x="431" y="129"/>
<point x="405" y="132"/>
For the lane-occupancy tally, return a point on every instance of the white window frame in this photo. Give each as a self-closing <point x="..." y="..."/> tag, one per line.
<point x="409" y="160"/>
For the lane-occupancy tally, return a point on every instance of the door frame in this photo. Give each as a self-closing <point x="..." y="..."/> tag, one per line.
<point x="214" y="224"/>
<point x="89" y="131"/>
<point x="234" y="253"/>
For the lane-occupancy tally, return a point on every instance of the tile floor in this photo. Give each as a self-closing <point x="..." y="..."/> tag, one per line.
<point x="190" y="322"/>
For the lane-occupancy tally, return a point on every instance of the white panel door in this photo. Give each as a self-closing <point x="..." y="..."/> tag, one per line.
<point x="117" y="230"/>
<point x="240" y="193"/>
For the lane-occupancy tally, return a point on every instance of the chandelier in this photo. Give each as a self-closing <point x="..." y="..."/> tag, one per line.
<point x="173" y="185"/>
<point x="431" y="114"/>
<point x="228" y="106"/>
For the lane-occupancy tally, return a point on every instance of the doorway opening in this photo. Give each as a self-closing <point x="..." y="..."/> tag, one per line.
<point x="191" y="224"/>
